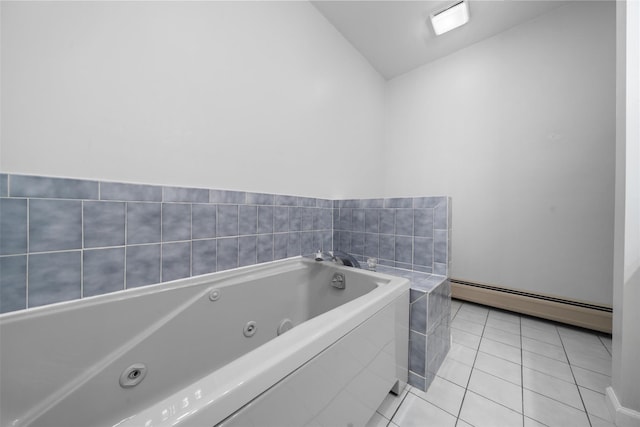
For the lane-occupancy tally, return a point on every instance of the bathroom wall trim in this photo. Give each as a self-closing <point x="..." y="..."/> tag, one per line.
<point x="572" y="312"/>
<point x="622" y="416"/>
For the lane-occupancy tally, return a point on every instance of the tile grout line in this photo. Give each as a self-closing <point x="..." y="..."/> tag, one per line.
<point x="466" y="389"/>
<point x="574" y="379"/>
<point x="82" y="244"/>
<point x="26" y="290"/>
<point x="522" y="373"/>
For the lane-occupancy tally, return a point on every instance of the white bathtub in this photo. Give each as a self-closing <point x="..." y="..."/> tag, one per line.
<point x="60" y="365"/>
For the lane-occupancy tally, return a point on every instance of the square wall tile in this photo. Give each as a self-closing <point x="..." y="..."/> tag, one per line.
<point x="324" y="203"/>
<point x="227" y="253"/>
<point x="357" y="220"/>
<point x="280" y="242"/>
<point x="102" y="271"/>
<point x="398" y="202"/>
<point x="423" y="222"/>
<point x="13" y="283"/>
<point x="387" y="247"/>
<point x="247" y="247"/>
<point x="418" y="315"/>
<point x="204" y="255"/>
<point x="260" y="199"/>
<point x="404" y="222"/>
<point x="344" y="242"/>
<point x="357" y="243"/>
<point x="53" y="188"/>
<point x="54" y="277"/>
<point x="440" y="217"/>
<point x="346" y="217"/>
<point x="327" y="240"/>
<point x="294" y="244"/>
<point x="203" y="221"/>
<point x="282" y="200"/>
<point x="440" y="269"/>
<point x="247" y="219"/>
<point x="371" y="220"/>
<point x="13" y="226"/>
<point x="176" y="261"/>
<point x="426" y="202"/>
<point x="227" y="197"/>
<point x="307" y="218"/>
<point x="227" y="220"/>
<point x="181" y="194"/>
<point x="130" y="192"/>
<point x="404" y="249"/>
<point x="176" y="222"/>
<point x="440" y="246"/>
<point x="387" y="221"/>
<point x="281" y="219"/>
<point x="308" y="245"/>
<point x="265" y="219"/>
<point x="295" y="219"/>
<point x="4" y="185"/>
<point x="264" y="248"/>
<point x="55" y="225"/>
<point x="372" y="203"/>
<point x="143" y="222"/>
<point x="417" y="352"/>
<point x="143" y="265"/>
<point x="371" y="245"/>
<point x="417" y="381"/>
<point x="423" y="251"/>
<point x="308" y="202"/>
<point x="103" y="224"/>
<point x="326" y="219"/>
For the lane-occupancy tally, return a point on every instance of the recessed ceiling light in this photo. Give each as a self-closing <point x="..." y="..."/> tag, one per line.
<point x="452" y="16"/>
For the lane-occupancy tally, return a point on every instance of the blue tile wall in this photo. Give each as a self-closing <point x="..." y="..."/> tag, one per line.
<point x="4" y="185"/>
<point x="143" y="265"/>
<point x="102" y="271"/>
<point x="130" y="192"/>
<point x="54" y="277"/>
<point x="13" y="226"/>
<point x="144" y="223"/>
<point x="63" y="239"/>
<point x="409" y="233"/>
<point x="204" y="256"/>
<point x="13" y="282"/>
<point x="176" y="261"/>
<point x="429" y="324"/>
<point x="55" y="225"/>
<point x="176" y="222"/>
<point x="103" y="224"/>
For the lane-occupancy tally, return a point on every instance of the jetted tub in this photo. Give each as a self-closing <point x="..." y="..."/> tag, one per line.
<point x="205" y="351"/>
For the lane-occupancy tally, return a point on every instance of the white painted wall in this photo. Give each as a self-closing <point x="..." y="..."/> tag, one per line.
<point x="256" y="96"/>
<point x="520" y="130"/>
<point x="624" y="396"/>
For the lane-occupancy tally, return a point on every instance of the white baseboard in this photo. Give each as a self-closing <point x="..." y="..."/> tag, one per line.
<point x="623" y="417"/>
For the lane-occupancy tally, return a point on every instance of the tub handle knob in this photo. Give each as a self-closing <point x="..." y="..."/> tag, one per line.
<point x="338" y="281"/>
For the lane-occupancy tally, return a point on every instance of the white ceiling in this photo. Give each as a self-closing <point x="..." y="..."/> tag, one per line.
<point x="395" y="36"/>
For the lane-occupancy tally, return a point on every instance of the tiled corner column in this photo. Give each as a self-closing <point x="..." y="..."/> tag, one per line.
<point x="429" y="318"/>
<point x="64" y="239"/>
<point x="412" y="233"/>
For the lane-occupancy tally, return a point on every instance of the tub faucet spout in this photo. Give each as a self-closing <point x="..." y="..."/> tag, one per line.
<point x="338" y="257"/>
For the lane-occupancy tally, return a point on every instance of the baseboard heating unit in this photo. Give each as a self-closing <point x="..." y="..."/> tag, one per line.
<point x="585" y="315"/>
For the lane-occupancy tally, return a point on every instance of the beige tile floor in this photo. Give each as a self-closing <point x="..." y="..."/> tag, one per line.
<point x="508" y="370"/>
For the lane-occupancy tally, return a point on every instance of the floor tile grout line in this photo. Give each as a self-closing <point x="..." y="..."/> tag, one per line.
<point x="522" y="375"/>
<point x="466" y="389"/>
<point x="432" y="403"/>
<point x="574" y="379"/>
<point x="401" y="402"/>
